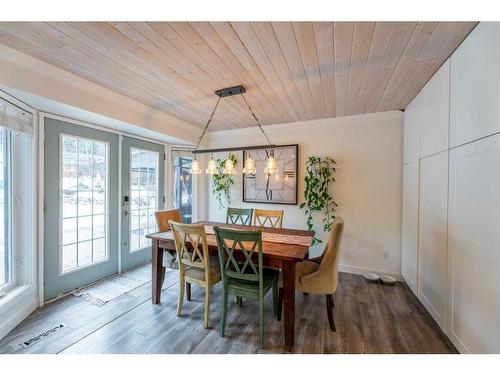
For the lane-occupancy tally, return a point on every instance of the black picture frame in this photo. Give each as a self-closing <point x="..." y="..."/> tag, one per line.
<point x="244" y="184"/>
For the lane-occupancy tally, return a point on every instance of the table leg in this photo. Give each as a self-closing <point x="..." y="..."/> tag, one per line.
<point x="157" y="272"/>
<point x="289" y="303"/>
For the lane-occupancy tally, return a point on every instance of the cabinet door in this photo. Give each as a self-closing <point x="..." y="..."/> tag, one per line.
<point x="409" y="235"/>
<point x="475" y="85"/>
<point x="474" y="246"/>
<point x="434" y="126"/>
<point x="411" y="138"/>
<point x="432" y="236"/>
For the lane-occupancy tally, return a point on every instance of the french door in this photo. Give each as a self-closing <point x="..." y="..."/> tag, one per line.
<point x="80" y="206"/>
<point x="143" y="187"/>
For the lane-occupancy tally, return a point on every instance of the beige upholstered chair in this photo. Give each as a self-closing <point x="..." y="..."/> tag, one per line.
<point x="163" y="217"/>
<point x="271" y="218"/>
<point x="320" y="275"/>
<point x="195" y="264"/>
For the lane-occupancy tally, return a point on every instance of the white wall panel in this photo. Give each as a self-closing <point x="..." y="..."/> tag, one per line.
<point x="409" y="234"/>
<point x="474" y="246"/>
<point x="434" y="109"/>
<point x="475" y="85"/>
<point x="432" y="243"/>
<point x="411" y="134"/>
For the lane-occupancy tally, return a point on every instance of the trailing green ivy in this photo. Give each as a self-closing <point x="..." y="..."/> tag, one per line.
<point x="221" y="183"/>
<point x="319" y="177"/>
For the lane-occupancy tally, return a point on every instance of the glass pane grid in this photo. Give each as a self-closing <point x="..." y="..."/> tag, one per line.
<point x="144" y="196"/>
<point x="84" y="177"/>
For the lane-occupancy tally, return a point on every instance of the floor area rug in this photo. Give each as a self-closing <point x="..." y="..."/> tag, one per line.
<point x="115" y="286"/>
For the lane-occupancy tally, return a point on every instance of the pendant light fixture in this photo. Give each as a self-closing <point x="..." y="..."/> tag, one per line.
<point x="249" y="166"/>
<point x="229" y="167"/>
<point x="195" y="167"/>
<point x="212" y="166"/>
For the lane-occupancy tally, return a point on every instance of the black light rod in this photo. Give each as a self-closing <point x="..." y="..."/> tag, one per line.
<point x="242" y="148"/>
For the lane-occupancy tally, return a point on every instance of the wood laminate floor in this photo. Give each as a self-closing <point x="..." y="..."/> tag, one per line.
<point x="370" y="318"/>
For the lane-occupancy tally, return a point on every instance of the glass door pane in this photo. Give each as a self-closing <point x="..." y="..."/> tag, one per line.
<point x="143" y="196"/>
<point x="183" y="187"/>
<point x="84" y="201"/>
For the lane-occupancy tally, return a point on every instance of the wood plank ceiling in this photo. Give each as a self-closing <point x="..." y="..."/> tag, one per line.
<point x="293" y="71"/>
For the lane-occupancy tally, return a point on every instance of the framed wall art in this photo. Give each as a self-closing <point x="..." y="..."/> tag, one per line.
<point x="277" y="188"/>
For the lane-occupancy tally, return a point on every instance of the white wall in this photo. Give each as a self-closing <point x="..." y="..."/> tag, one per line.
<point x="368" y="150"/>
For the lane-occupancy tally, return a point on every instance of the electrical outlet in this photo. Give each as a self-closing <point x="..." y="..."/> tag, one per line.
<point x="385" y="255"/>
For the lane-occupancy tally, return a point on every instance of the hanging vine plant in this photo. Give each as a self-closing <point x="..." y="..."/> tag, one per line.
<point x="221" y="183"/>
<point x="319" y="178"/>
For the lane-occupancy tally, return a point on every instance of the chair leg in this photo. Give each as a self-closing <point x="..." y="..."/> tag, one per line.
<point x="275" y="300"/>
<point x="261" y="322"/>
<point x="207" y="306"/>
<point x="280" y="303"/>
<point x="188" y="292"/>
<point x="329" y="311"/>
<point x="224" y="315"/>
<point x="181" y="296"/>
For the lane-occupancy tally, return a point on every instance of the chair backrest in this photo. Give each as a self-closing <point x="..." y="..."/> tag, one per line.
<point x="163" y="217"/>
<point x="246" y="244"/>
<point x="328" y="268"/>
<point x="242" y="216"/>
<point x="269" y="218"/>
<point x="191" y="245"/>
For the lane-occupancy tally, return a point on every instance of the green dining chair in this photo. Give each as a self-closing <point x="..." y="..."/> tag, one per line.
<point x="241" y="276"/>
<point x="241" y="216"/>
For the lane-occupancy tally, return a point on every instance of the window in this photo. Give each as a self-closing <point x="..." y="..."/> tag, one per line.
<point x="17" y="219"/>
<point x="84" y="195"/>
<point x="5" y="207"/>
<point x="183" y="185"/>
<point x="143" y="196"/>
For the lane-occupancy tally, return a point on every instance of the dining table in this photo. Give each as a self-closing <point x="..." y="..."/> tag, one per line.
<point x="282" y="248"/>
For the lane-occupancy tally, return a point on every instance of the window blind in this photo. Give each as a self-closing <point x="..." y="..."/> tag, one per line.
<point x="13" y="117"/>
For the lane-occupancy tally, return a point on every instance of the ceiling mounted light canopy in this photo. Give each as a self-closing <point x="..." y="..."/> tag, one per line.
<point x="229" y="167"/>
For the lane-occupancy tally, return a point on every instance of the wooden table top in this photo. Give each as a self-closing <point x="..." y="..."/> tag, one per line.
<point x="280" y="250"/>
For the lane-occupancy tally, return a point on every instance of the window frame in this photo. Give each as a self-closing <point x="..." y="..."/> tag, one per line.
<point x="60" y="208"/>
<point x="10" y="250"/>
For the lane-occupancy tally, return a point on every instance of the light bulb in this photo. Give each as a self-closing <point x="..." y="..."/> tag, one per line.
<point x="212" y="167"/>
<point x="271" y="166"/>
<point x="229" y="166"/>
<point x="195" y="167"/>
<point x="249" y="167"/>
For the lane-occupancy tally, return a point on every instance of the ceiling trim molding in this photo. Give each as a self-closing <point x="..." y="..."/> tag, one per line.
<point x="332" y="121"/>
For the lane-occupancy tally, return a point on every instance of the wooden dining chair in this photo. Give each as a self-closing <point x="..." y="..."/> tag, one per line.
<point x="242" y="216"/>
<point x="320" y="275"/>
<point x="268" y="218"/>
<point x="241" y="276"/>
<point x="163" y="217"/>
<point x="195" y="264"/>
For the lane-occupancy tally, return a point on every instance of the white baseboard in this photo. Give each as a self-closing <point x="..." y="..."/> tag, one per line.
<point x="361" y="271"/>
<point x="17" y="309"/>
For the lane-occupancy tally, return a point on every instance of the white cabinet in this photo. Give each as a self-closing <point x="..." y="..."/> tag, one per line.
<point x="474" y="246"/>
<point x="409" y="233"/>
<point x="432" y="235"/>
<point x="475" y="85"/>
<point x="411" y="138"/>
<point x="434" y="112"/>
